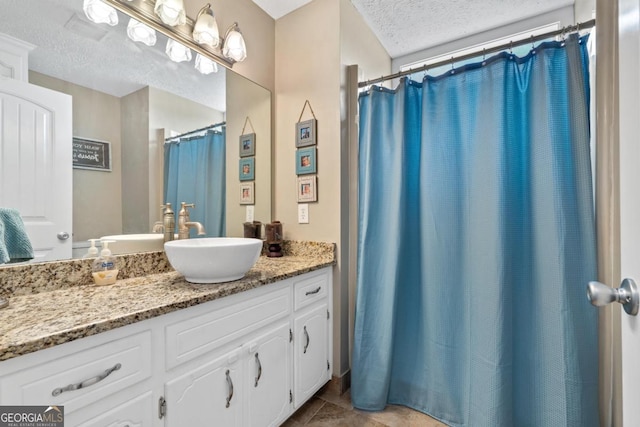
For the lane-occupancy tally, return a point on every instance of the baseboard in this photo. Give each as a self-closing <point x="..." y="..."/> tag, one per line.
<point x="340" y="385"/>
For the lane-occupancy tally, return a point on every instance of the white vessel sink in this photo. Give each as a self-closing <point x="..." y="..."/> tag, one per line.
<point x="213" y="259"/>
<point x="130" y="243"/>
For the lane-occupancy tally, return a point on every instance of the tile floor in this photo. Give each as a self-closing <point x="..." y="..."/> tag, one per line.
<point x="328" y="409"/>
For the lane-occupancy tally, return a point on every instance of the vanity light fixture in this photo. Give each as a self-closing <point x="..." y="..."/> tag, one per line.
<point x="177" y="52"/>
<point x="205" y="65"/>
<point x="168" y="17"/>
<point x="205" y="30"/>
<point x="139" y="32"/>
<point x="234" y="47"/>
<point x="171" y="12"/>
<point x="99" y="12"/>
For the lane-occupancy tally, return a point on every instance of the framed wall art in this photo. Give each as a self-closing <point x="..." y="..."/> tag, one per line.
<point x="246" y="193"/>
<point x="306" y="161"/>
<point x="247" y="169"/>
<point x="307" y="189"/>
<point x="306" y="133"/>
<point x="248" y="145"/>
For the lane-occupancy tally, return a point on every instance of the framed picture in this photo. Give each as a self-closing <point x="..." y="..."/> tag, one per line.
<point x="247" y="169"/>
<point x="91" y="154"/>
<point x="248" y="145"/>
<point x="307" y="189"/>
<point x="306" y="133"/>
<point x="246" y="193"/>
<point x="306" y="161"/>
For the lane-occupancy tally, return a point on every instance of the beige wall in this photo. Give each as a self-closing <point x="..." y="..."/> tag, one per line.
<point x="258" y="30"/>
<point x="311" y="66"/>
<point x="252" y="101"/>
<point x="96" y="194"/>
<point x="135" y="188"/>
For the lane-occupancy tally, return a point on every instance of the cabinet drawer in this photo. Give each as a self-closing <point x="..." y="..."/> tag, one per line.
<point x="311" y="289"/>
<point x="221" y="324"/>
<point x="80" y="378"/>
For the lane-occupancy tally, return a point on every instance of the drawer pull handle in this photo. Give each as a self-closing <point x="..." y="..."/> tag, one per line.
<point x="86" y="383"/>
<point x="314" y="291"/>
<point x="306" y="334"/>
<point x="230" y="385"/>
<point x="259" y="370"/>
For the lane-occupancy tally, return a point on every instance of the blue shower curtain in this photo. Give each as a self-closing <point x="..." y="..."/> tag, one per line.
<point x="476" y="242"/>
<point x="194" y="172"/>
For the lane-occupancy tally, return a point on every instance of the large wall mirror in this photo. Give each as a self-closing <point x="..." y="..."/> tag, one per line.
<point x="134" y="97"/>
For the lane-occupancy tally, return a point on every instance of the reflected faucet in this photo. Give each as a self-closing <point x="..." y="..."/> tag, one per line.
<point x="184" y="224"/>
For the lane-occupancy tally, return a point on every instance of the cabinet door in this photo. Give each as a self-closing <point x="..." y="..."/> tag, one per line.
<point x="207" y="396"/>
<point x="133" y="413"/>
<point x="311" y="358"/>
<point x="268" y="377"/>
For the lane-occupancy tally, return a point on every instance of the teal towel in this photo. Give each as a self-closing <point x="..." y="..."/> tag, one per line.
<point x="15" y="245"/>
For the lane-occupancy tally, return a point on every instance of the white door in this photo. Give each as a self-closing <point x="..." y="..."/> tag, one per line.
<point x="36" y="164"/>
<point x="629" y="38"/>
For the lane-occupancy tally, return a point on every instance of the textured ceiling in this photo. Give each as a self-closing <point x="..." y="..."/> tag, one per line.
<point x="408" y="26"/>
<point x="100" y="57"/>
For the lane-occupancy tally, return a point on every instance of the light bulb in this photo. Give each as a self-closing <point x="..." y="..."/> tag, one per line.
<point x="100" y="12"/>
<point x="139" y="32"/>
<point x="177" y="51"/>
<point x="234" y="46"/>
<point x="205" y="30"/>
<point x="171" y="12"/>
<point x="205" y="65"/>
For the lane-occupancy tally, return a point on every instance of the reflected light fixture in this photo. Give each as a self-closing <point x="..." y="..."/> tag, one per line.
<point x="171" y="12"/>
<point x="205" y="65"/>
<point x="205" y="30"/>
<point x="99" y="12"/>
<point x="234" y="47"/>
<point x="139" y="32"/>
<point x="177" y="51"/>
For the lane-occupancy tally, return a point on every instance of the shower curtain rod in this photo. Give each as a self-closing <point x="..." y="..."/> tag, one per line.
<point x="196" y="131"/>
<point x="565" y="30"/>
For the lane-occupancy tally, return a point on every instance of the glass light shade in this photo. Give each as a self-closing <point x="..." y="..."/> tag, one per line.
<point x="234" y="47"/>
<point x="177" y="52"/>
<point x="100" y="12"/>
<point x="205" y="30"/>
<point x="139" y="32"/>
<point x="171" y="12"/>
<point x="205" y="65"/>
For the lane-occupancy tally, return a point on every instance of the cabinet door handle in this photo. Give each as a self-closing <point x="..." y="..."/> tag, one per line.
<point x="306" y="334"/>
<point x="230" y="385"/>
<point x="259" y="370"/>
<point x="315" y="291"/>
<point x="86" y="383"/>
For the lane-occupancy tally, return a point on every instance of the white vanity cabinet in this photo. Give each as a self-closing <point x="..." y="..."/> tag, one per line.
<point x="248" y="359"/>
<point x="312" y="325"/>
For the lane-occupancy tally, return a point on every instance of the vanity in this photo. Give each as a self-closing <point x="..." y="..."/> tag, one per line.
<point x="155" y="350"/>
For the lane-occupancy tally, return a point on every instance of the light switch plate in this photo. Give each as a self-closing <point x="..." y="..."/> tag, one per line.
<point x="303" y="213"/>
<point x="250" y="214"/>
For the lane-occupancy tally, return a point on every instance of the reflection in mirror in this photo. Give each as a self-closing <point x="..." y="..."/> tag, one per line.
<point x="132" y="96"/>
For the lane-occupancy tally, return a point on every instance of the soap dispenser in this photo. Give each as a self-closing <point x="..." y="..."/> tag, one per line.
<point x="92" y="252"/>
<point x="104" y="269"/>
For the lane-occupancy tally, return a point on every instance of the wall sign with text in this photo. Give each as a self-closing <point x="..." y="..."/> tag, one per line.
<point x="91" y="154"/>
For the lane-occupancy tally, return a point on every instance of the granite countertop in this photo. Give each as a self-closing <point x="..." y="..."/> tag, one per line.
<point x="39" y="320"/>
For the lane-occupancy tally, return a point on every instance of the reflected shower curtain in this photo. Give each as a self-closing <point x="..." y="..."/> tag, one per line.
<point x="194" y="172"/>
<point x="476" y="242"/>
